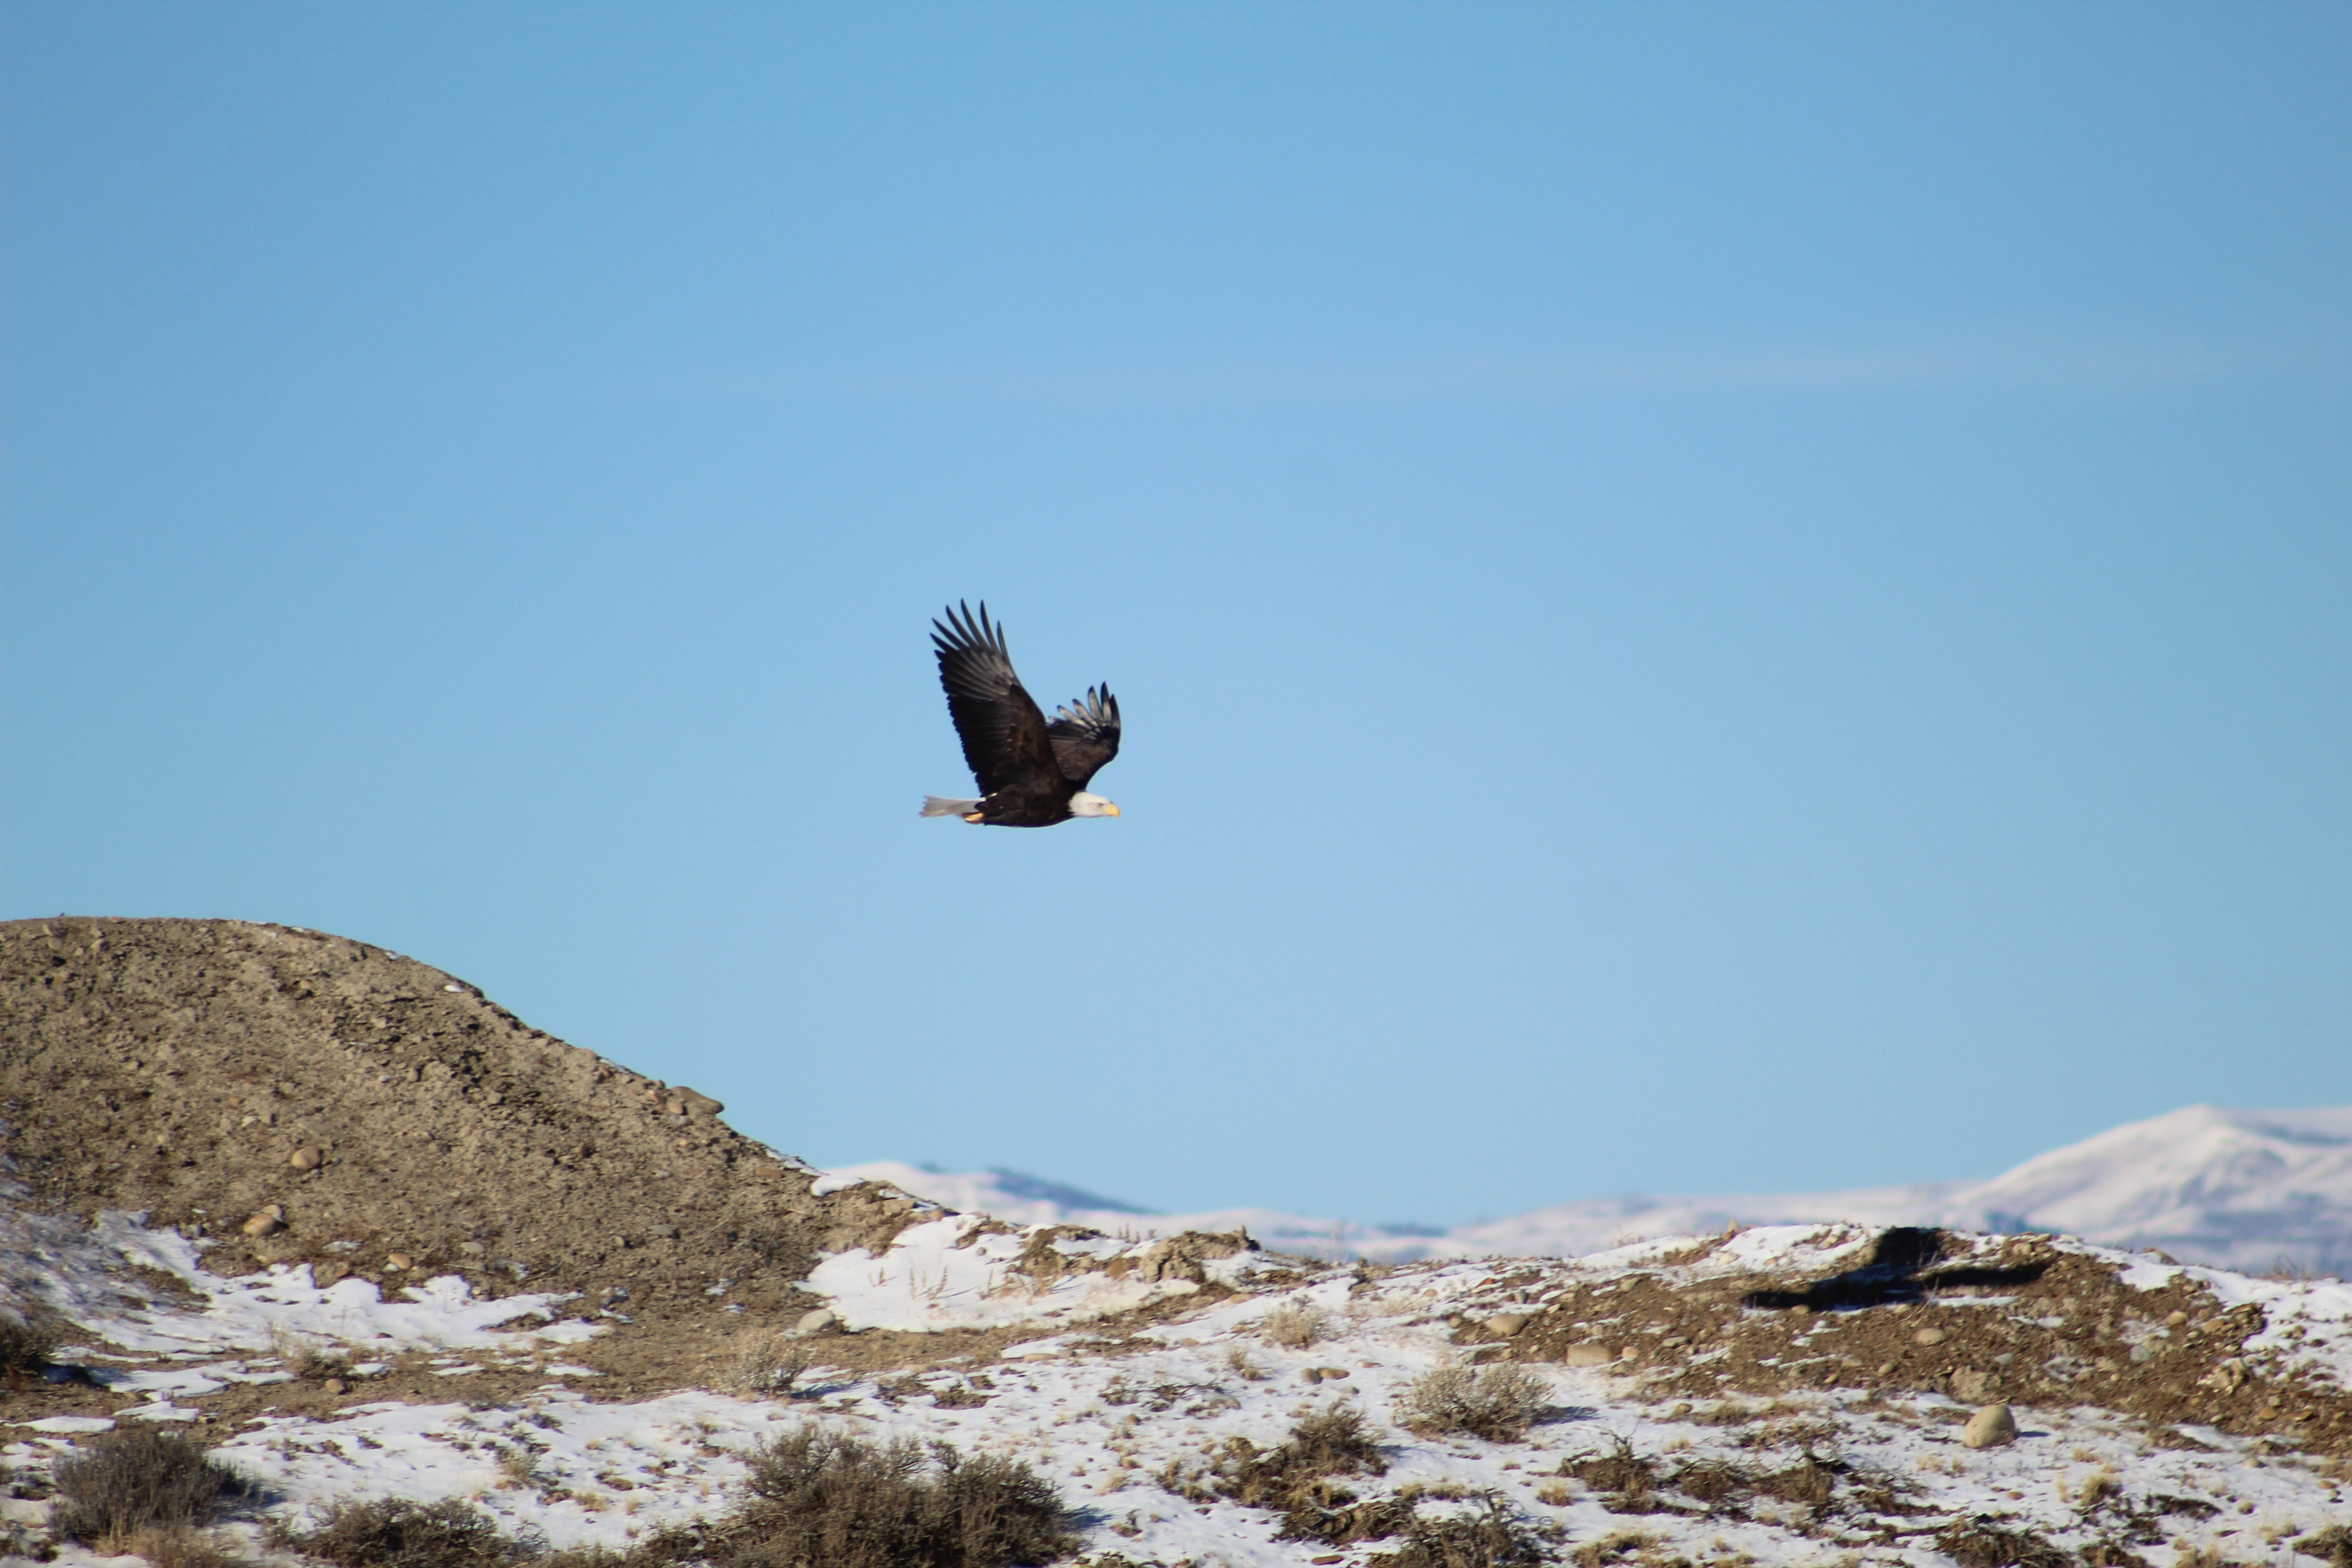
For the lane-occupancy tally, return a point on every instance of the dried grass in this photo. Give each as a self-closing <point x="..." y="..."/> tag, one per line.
<point x="1294" y="1325"/>
<point x="2332" y="1546"/>
<point x="1614" y="1547"/>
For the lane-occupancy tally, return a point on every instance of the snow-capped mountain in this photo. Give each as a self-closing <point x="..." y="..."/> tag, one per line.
<point x="2240" y="1189"/>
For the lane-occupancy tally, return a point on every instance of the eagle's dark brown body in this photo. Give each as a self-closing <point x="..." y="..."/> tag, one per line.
<point x="1032" y="774"/>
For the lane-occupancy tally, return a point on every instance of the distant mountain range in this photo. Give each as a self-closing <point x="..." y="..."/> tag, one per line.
<point x="2251" y="1190"/>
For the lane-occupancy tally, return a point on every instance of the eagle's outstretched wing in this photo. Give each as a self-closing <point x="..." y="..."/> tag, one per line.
<point x="1086" y="734"/>
<point x="1003" y="733"/>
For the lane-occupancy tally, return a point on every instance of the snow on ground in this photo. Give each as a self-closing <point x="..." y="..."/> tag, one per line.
<point x="171" y="1349"/>
<point x="959" y="1271"/>
<point x="1127" y="1422"/>
<point x="2237" y="1189"/>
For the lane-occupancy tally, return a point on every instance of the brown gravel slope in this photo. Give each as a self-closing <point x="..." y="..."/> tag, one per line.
<point x="195" y="1068"/>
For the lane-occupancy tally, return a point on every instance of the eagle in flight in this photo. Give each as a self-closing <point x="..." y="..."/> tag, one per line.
<point x="1032" y="774"/>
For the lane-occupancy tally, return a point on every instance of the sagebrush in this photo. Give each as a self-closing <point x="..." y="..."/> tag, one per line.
<point x="138" y="1479"/>
<point x="1497" y="1402"/>
<point x="825" y="1500"/>
<point x="393" y="1532"/>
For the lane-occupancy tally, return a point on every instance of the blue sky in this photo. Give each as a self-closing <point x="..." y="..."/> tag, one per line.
<point x="1706" y="597"/>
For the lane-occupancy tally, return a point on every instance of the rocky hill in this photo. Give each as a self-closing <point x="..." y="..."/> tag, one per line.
<point x="290" y="1096"/>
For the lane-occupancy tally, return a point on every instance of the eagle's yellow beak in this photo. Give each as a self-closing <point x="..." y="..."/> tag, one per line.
<point x="1109" y="810"/>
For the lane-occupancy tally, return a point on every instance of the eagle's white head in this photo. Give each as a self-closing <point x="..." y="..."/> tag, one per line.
<point x="1085" y="805"/>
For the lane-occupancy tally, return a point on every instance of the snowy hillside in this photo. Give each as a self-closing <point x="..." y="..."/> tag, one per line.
<point x="2242" y="1189"/>
<point x="1646" y="1405"/>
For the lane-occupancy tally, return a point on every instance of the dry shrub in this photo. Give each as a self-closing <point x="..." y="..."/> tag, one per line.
<point x="310" y="1360"/>
<point x="1619" y="1469"/>
<point x="138" y="1479"/>
<point x="1811" y="1481"/>
<point x="824" y="1500"/>
<point x="1493" y="1537"/>
<point x="767" y="1366"/>
<point x="1978" y="1544"/>
<point x="1238" y="1363"/>
<point x="1297" y="1477"/>
<point x="520" y="1467"/>
<point x="316" y="1363"/>
<point x="25" y="1348"/>
<point x="1497" y="1403"/>
<point x="394" y="1532"/>
<point x="1294" y="1325"/>
<point x="1714" y="1482"/>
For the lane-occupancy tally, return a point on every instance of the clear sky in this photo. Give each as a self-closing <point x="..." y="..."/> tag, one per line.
<point x="1706" y="597"/>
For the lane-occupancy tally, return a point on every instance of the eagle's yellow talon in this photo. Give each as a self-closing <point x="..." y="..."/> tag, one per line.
<point x="972" y="816"/>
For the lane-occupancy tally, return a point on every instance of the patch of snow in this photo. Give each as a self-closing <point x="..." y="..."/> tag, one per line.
<point x="957" y="1271"/>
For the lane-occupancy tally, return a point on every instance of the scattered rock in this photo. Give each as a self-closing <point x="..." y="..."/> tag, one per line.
<point x="1989" y="1428"/>
<point x="337" y="1386"/>
<point x="815" y="1321"/>
<point x="264" y="1225"/>
<point x="1928" y="1337"/>
<point x="1509" y="1323"/>
<point x="307" y="1159"/>
<point x="1586" y="1355"/>
<point x="473" y="1249"/>
<point x="1970" y="1386"/>
<point x="398" y="1261"/>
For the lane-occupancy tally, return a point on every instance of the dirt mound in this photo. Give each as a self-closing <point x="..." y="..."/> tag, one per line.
<point x="297" y="1097"/>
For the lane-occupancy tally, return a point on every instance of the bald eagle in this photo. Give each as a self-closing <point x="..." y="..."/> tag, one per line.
<point x="1032" y="774"/>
